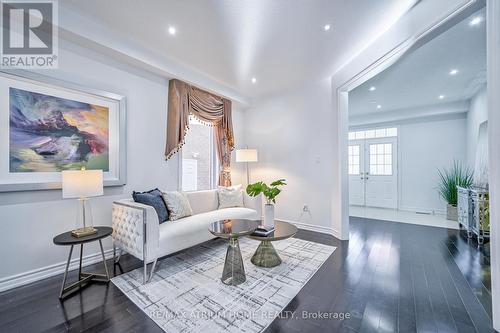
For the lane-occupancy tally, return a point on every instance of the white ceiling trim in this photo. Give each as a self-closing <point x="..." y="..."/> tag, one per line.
<point x="421" y="113"/>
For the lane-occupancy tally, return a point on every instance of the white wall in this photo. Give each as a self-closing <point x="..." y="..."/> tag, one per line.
<point x="423" y="148"/>
<point x="377" y="56"/>
<point x="291" y="134"/>
<point x="29" y="220"/>
<point x="478" y="113"/>
<point x="301" y="127"/>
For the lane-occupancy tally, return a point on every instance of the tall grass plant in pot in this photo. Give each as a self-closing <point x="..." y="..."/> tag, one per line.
<point x="449" y="179"/>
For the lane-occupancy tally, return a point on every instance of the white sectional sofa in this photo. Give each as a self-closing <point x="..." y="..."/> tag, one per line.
<point x="137" y="231"/>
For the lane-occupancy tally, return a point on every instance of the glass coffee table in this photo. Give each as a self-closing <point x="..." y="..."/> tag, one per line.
<point x="234" y="271"/>
<point x="266" y="255"/>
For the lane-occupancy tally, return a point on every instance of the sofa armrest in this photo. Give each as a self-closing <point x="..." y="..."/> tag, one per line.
<point x="136" y="229"/>
<point x="254" y="203"/>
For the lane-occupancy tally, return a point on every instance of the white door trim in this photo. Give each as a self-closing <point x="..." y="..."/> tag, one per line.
<point x="493" y="52"/>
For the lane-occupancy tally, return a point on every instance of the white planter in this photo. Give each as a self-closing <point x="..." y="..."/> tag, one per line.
<point x="451" y="213"/>
<point x="268" y="215"/>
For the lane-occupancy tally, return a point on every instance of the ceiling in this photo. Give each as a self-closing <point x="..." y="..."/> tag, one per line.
<point x="420" y="77"/>
<point x="282" y="43"/>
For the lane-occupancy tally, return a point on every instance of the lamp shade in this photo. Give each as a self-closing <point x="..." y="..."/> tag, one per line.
<point x="82" y="183"/>
<point x="246" y="155"/>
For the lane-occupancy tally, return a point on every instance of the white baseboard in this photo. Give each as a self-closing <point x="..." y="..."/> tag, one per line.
<point x="423" y="210"/>
<point x="38" y="274"/>
<point x="312" y="227"/>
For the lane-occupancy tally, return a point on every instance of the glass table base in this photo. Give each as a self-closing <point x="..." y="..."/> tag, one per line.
<point x="266" y="255"/>
<point x="234" y="271"/>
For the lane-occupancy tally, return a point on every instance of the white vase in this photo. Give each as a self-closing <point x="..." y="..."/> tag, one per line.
<point x="269" y="215"/>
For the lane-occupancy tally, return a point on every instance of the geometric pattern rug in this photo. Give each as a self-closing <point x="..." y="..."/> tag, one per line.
<point x="187" y="295"/>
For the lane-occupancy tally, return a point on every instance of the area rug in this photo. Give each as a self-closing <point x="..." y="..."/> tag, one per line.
<point x="187" y="295"/>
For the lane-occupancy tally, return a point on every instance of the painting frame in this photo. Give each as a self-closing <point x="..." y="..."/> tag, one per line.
<point x="51" y="180"/>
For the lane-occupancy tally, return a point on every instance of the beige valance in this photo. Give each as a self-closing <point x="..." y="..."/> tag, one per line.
<point x="185" y="99"/>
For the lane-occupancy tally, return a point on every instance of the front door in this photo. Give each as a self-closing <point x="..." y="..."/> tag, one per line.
<point x="373" y="172"/>
<point x="381" y="183"/>
<point x="356" y="172"/>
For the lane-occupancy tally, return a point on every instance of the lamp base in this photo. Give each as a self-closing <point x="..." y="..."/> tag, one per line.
<point x="82" y="232"/>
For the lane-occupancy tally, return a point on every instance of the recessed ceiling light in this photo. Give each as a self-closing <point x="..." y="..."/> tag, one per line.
<point x="476" y="20"/>
<point x="379" y="106"/>
<point x="441" y="96"/>
<point x="454" y="72"/>
<point x="326" y="27"/>
<point x="372" y="88"/>
<point x="171" y="30"/>
<point x="254" y="80"/>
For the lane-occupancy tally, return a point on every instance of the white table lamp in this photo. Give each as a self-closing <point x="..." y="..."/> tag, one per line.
<point x="247" y="155"/>
<point x="82" y="184"/>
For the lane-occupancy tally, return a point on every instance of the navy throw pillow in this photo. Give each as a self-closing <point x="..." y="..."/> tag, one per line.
<point x="153" y="198"/>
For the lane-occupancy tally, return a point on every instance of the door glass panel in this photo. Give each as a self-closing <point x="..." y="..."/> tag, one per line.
<point x="381" y="159"/>
<point x="354" y="160"/>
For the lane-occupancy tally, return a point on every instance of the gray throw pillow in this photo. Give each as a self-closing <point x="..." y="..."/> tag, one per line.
<point x="153" y="198"/>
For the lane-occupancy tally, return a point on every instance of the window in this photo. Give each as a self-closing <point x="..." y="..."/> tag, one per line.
<point x="354" y="160"/>
<point x="381" y="159"/>
<point x="199" y="162"/>
<point x="373" y="133"/>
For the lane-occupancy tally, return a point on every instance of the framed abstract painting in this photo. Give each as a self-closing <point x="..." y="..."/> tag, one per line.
<point x="48" y="125"/>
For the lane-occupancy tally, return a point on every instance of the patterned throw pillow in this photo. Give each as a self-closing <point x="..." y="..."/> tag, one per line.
<point x="177" y="204"/>
<point x="153" y="198"/>
<point x="231" y="196"/>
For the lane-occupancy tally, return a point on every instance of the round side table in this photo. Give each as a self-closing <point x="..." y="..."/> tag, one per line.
<point x="234" y="270"/>
<point x="266" y="255"/>
<point x="84" y="278"/>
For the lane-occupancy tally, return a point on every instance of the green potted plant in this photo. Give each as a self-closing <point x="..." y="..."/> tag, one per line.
<point x="270" y="191"/>
<point x="458" y="175"/>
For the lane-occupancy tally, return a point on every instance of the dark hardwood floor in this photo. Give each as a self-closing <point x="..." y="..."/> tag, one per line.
<point x="389" y="277"/>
